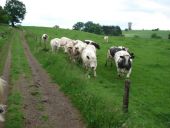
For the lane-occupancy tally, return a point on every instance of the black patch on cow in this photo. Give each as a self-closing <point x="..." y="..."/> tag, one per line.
<point x="114" y="50"/>
<point x="122" y="61"/>
<point x="1" y="110"/>
<point x="96" y="45"/>
<point x="45" y="37"/>
<point x="87" y="42"/>
<point x="88" y="57"/>
<point x="132" y="56"/>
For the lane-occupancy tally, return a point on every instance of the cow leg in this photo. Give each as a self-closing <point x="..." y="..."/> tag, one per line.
<point x="106" y="62"/>
<point x="118" y="72"/>
<point x="111" y="63"/>
<point x="65" y="49"/>
<point x="128" y="74"/>
<point x="45" y="45"/>
<point x="94" y="72"/>
<point x="52" y="49"/>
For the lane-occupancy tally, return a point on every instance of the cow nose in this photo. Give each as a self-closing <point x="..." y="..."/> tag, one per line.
<point x="92" y="67"/>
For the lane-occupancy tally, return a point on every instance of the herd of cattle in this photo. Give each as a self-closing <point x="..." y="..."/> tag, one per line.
<point x="85" y="51"/>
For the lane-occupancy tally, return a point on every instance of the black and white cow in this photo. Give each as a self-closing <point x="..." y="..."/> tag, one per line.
<point x="122" y="58"/>
<point x="111" y="53"/>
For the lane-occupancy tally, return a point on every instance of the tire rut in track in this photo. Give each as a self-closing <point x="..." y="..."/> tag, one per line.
<point x="57" y="108"/>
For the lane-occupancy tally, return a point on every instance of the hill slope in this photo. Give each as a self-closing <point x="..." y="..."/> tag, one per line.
<point x="100" y="99"/>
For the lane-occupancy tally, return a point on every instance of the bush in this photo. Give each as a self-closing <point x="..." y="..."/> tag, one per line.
<point x="154" y="35"/>
<point x="168" y="36"/>
<point x="136" y="36"/>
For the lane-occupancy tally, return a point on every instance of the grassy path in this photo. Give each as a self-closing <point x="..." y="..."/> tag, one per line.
<point x="58" y="111"/>
<point x="34" y="101"/>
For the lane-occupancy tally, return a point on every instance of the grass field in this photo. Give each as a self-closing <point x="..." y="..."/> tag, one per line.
<point x="100" y="100"/>
<point x="146" y="33"/>
<point x="4" y="43"/>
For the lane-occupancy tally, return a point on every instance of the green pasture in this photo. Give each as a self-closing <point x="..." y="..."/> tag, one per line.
<point x="146" y="33"/>
<point x="100" y="100"/>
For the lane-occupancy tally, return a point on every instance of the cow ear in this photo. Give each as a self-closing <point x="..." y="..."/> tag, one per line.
<point x="122" y="57"/>
<point x="132" y="56"/>
<point x="96" y="45"/>
<point x="88" y="57"/>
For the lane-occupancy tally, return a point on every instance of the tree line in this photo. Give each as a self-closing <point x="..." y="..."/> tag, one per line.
<point x="13" y="12"/>
<point x="98" y="29"/>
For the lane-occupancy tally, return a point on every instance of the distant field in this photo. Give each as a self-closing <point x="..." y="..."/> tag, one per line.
<point x="146" y="33"/>
<point x="100" y="100"/>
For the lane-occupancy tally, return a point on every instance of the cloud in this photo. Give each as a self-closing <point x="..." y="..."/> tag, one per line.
<point x="147" y="14"/>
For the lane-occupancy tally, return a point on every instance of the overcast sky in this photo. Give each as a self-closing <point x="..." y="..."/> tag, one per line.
<point x="144" y="14"/>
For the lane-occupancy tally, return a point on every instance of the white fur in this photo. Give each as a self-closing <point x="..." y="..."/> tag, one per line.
<point x="89" y="58"/>
<point x="65" y="43"/>
<point x="79" y="47"/>
<point x="44" y="39"/>
<point x="3" y="108"/>
<point x="55" y="45"/>
<point x="106" y="39"/>
<point x="117" y="58"/>
<point x="2" y="84"/>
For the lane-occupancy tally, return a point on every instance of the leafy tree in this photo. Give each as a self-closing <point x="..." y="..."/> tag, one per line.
<point x="92" y="28"/>
<point x="88" y="27"/>
<point x="78" y="26"/>
<point x="168" y="36"/>
<point x="3" y="16"/>
<point x="112" y="30"/>
<point x="97" y="28"/>
<point x="117" y="31"/>
<point x="16" y="10"/>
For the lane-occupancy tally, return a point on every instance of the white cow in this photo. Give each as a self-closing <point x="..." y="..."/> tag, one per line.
<point x="44" y="39"/>
<point x="66" y="43"/>
<point x="2" y="112"/>
<point x="106" y="39"/>
<point x="55" y="45"/>
<point x="2" y="107"/>
<point x="89" y="58"/>
<point x="2" y="84"/>
<point x="78" y="48"/>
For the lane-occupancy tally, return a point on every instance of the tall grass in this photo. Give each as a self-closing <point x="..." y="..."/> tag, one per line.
<point x="14" y="116"/>
<point x="4" y="43"/>
<point x="100" y="100"/>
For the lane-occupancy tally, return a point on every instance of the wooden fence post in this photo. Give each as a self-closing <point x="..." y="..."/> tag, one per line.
<point x="126" y="95"/>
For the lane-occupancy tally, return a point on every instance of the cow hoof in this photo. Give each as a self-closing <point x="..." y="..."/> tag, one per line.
<point x="88" y="76"/>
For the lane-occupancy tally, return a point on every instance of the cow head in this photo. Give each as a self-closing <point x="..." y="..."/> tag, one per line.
<point x="125" y="62"/>
<point x="92" y="62"/>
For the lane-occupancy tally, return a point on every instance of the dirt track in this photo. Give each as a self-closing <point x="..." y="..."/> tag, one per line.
<point x="44" y="106"/>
